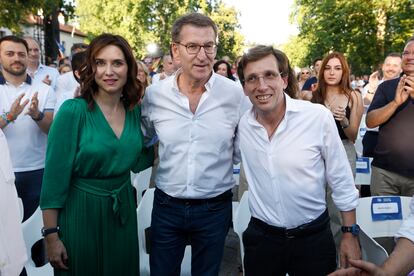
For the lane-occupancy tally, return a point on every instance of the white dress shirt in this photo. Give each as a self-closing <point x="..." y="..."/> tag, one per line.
<point x="287" y="175"/>
<point x="196" y="151"/>
<point x="12" y="247"/>
<point x="42" y="71"/>
<point x="407" y="227"/>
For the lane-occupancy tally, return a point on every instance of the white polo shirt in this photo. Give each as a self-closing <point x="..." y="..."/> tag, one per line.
<point x="287" y="175"/>
<point x="42" y="71"/>
<point x="196" y="151"/>
<point x="27" y="142"/>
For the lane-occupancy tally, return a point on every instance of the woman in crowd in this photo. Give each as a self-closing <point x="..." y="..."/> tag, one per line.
<point x="335" y="92"/>
<point x="143" y="74"/>
<point x="64" y="68"/>
<point x="303" y="76"/>
<point x="221" y="67"/>
<point x="89" y="212"/>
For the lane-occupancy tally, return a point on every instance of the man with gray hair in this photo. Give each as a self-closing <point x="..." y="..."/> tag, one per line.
<point x="192" y="201"/>
<point x="36" y="70"/>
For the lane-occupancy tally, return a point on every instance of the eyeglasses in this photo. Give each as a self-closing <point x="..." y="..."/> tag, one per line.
<point x="193" y="49"/>
<point x="303" y="73"/>
<point x="268" y="77"/>
<point x="407" y="53"/>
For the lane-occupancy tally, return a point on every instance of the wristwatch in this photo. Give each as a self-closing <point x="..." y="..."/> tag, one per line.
<point x="353" y="229"/>
<point x="47" y="231"/>
<point x="39" y="117"/>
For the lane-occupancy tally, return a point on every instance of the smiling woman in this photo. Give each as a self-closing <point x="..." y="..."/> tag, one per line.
<point x="87" y="200"/>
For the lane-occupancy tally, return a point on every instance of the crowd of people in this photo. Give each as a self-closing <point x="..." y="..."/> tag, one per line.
<point x="71" y="136"/>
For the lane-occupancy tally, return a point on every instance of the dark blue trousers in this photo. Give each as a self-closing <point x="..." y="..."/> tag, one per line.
<point x="203" y="224"/>
<point x="28" y="186"/>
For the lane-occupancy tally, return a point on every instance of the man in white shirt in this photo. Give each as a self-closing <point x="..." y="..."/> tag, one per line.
<point x="288" y="160"/>
<point x="26" y="112"/>
<point x="400" y="262"/>
<point x="194" y="115"/>
<point x="391" y="69"/>
<point x="36" y="70"/>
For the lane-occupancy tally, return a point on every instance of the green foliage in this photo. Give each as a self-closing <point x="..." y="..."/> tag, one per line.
<point x="149" y="21"/>
<point x="14" y="12"/>
<point x="365" y="31"/>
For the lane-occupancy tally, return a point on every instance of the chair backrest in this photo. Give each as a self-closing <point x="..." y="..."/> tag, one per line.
<point x="31" y="234"/>
<point x="141" y="182"/>
<point x="382" y="228"/>
<point x="144" y="213"/>
<point x="241" y="220"/>
<point x="363" y="171"/>
<point x="371" y="251"/>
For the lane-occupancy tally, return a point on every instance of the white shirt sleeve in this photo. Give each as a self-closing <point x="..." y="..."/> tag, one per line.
<point x="407" y="227"/>
<point x="338" y="171"/>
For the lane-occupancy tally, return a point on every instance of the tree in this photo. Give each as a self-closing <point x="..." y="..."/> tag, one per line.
<point x="149" y="21"/>
<point x="15" y="12"/>
<point x="363" y="30"/>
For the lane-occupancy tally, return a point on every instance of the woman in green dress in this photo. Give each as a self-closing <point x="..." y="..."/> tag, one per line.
<point x="89" y="212"/>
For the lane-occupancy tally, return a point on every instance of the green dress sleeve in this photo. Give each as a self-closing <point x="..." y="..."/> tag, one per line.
<point x="61" y="154"/>
<point x="145" y="160"/>
<point x="146" y="157"/>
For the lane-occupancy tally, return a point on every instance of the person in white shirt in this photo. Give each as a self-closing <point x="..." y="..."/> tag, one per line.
<point x="168" y="68"/>
<point x="391" y="69"/>
<point x="26" y="113"/>
<point x="290" y="150"/>
<point x="36" y="70"/>
<point x="68" y="86"/>
<point x="400" y="262"/>
<point x="194" y="115"/>
<point x="12" y="248"/>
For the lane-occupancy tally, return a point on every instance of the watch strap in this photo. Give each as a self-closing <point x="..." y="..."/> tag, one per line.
<point x="47" y="231"/>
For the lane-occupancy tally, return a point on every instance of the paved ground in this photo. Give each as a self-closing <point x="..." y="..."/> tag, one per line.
<point x="231" y="258"/>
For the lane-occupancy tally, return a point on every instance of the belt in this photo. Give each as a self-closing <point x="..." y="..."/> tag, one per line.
<point x="315" y="226"/>
<point x="227" y="195"/>
<point x="91" y="186"/>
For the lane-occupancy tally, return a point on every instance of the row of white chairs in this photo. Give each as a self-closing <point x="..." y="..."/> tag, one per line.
<point x="370" y="249"/>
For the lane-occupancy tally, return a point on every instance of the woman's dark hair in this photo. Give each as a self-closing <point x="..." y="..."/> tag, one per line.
<point x="319" y="95"/>
<point x="283" y="64"/>
<point x="228" y="68"/>
<point x="132" y="90"/>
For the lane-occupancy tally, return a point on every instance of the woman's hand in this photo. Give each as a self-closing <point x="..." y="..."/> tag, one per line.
<point x="56" y="252"/>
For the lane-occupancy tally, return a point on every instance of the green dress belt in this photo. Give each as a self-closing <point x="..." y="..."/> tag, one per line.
<point x="119" y="195"/>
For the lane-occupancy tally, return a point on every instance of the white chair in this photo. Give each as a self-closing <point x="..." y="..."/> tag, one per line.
<point x="31" y="233"/>
<point x="241" y="221"/>
<point x="363" y="171"/>
<point x="144" y="221"/>
<point x="141" y="182"/>
<point x="361" y="132"/>
<point x="371" y="251"/>
<point x="382" y="228"/>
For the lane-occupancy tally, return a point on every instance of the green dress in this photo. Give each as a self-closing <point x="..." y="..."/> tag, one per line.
<point x="87" y="177"/>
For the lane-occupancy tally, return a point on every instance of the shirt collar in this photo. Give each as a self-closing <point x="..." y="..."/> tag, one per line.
<point x="209" y="84"/>
<point x="28" y="80"/>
